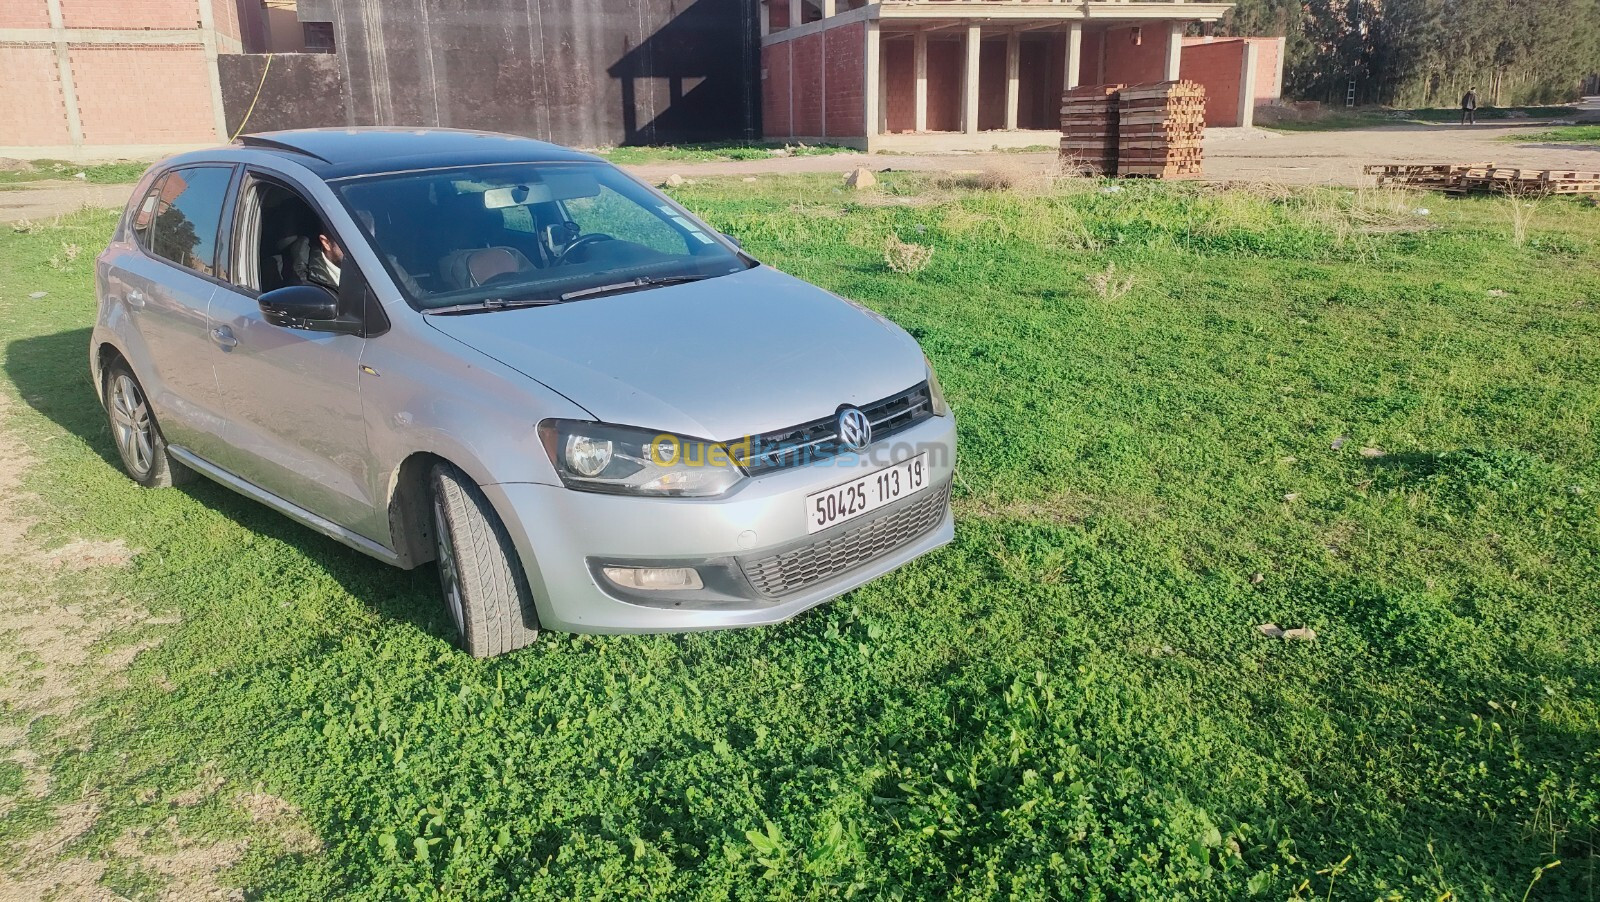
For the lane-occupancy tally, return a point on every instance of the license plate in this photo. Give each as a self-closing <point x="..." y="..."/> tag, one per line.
<point x="865" y="494"/>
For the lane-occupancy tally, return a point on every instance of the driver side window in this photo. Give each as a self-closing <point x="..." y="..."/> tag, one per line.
<point x="609" y="213"/>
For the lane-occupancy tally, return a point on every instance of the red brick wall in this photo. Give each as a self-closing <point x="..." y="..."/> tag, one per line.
<point x="815" y="85"/>
<point x="846" y="61"/>
<point x="1218" y="65"/>
<point x="24" y="14"/>
<point x="31" y="109"/>
<point x="1131" y="64"/>
<point x="1039" y="94"/>
<point x="807" y="80"/>
<point x="992" y="83"/>
<point x="130" y="13"/>
<point x="1269" y="68"/>
<point x="179" y="113"/>
<point x="776" y="116"/>
<point x="946" y="59"/>
<point x="900" y="83"/>
<point x="1093" y="49"/>
<point x="225" y="17"/>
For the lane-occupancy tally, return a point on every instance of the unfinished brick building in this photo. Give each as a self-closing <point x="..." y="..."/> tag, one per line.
<point x="111" y="77"/>
<point x="948" y="74"/>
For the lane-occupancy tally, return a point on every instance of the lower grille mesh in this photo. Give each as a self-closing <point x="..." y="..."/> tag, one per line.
<point x="790" y="571"/>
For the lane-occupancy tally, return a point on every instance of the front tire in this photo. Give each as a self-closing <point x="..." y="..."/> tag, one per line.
<point x="137" y="435"/>
<point x="484" y="589"/>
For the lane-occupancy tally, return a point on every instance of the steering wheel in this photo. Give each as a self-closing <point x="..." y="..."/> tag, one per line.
<point x="582" y="241"/>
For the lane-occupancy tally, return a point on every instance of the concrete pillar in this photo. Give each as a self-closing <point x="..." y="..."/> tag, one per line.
<point x="69" y="91"/>
<point x="1175" y="31"/>
<point x="1013" y="78"/>
<point x="1074" y="56"/>
<point x="765" y="12"/>
<point x="1247" y="86"/>
<point x="871" y="92"/>
<point x="828" y="8"/>
<point x="969" y="88"/>
<point x="920" y="53"/>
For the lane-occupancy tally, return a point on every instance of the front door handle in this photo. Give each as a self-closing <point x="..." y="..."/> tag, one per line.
<point x="223" y="336"/>
<point x="134" y="297"/>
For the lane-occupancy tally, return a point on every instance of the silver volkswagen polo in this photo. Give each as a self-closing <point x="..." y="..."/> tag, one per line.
<point x="591" y="410"/>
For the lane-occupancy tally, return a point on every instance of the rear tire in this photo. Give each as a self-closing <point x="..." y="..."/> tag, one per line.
<point x="482" y="583"/>
<point x="137" y="435"/>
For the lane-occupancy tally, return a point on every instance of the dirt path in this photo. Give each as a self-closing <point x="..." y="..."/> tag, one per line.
<point x="65" y="637"/>
<point x="1332" y="157"/>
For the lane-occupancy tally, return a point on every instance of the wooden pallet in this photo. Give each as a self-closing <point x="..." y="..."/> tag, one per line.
<point x="1476" y="178"/>
<point x="1161" y="128"/>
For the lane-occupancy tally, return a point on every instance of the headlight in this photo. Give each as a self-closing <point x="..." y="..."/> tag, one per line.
<point x="935" y="393"/>
<point x="598" y="457"/>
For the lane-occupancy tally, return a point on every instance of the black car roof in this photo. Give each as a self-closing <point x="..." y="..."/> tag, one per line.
<point x="335" y="153"/>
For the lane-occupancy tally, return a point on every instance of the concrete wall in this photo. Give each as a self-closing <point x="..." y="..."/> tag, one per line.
<point x="300" y="90"/>
<point x="582" y="73"/>
<point x="131" y="78"/>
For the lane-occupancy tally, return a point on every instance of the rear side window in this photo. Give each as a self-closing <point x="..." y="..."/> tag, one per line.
<point x="180" y="216"/>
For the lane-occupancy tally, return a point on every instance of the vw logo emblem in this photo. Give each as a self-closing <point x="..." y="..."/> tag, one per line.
<point x="855" y="430"/>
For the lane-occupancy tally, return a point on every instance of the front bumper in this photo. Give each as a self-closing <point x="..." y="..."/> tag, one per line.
<point x="760" y="564"/>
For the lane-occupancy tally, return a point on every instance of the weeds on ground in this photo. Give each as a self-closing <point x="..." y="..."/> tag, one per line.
<point x="96" y="173"/>
<point x="904" y="257"/>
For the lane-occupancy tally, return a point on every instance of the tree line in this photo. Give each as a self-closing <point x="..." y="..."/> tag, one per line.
<point x="1416" y="53"/>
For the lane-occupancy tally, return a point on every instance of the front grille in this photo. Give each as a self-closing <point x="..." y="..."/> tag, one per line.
<point x="790" y="571"/>
<point x="818" y="439"/>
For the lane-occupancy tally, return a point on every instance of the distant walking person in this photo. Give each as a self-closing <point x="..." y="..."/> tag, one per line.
<point x="1469" y="107"/>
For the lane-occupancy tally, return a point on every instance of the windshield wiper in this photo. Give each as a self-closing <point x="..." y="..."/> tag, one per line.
<point x="630" y="285"/>
<point x="491" y="304"/>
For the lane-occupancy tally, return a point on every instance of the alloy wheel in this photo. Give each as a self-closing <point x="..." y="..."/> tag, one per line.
<point x="131" y="425"/>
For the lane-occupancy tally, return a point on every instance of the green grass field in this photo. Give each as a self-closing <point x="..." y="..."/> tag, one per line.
<point x="1184" y="412"/>
<point x="1566" y="134"/>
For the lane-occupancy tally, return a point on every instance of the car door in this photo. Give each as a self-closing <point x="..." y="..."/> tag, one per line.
<point x="167" y="284"/>
<point x="292" y="397"/>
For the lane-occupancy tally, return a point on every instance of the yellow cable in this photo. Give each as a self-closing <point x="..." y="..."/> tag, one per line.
<point x="247" y="113"/>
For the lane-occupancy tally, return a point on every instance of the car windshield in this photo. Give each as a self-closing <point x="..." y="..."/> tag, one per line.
<point x="491" y="236"/>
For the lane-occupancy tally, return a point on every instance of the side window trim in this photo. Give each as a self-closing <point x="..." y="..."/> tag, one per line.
<point x="151" y="197"/>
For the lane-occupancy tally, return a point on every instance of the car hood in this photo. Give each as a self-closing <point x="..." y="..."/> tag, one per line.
<point x="722" y="358"/>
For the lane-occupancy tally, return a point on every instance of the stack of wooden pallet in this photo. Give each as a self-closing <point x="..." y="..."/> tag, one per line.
<point x="1089" y="129"/>
<point x="1466" y="178"/>
<point x="1161" y="128"/>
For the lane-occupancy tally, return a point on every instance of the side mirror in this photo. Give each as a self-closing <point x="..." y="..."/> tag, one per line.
<point x="299" y="306"/>
<point x="734" y="241"/>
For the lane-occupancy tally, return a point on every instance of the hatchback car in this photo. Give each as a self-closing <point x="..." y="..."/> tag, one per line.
<point x="592" y="410"/>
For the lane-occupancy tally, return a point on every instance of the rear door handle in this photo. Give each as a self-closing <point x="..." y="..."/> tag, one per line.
<point x="223" y="336"/>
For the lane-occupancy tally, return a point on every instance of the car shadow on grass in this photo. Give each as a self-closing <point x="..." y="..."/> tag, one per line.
<point x="52" y="375"/>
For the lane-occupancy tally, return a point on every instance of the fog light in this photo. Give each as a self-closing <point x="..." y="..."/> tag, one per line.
<point x="655" y="577"/>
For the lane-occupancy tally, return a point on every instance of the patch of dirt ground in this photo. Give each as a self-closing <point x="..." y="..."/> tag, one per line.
<point x="61" y="643"/>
